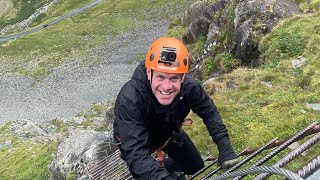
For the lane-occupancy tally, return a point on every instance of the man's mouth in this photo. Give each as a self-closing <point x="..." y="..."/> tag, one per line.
<point x="165" y="93"/>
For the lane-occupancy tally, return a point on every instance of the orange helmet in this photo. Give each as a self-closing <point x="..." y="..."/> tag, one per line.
<point x="168" y="55"/>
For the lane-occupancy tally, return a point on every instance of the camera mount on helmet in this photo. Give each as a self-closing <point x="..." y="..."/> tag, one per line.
<point x="168" y="55"/>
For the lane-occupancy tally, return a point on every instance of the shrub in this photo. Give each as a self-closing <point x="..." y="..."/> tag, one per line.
<point x="200" y="45"/>
<point x="224" y="62"/>
<point x="281" y="47"/>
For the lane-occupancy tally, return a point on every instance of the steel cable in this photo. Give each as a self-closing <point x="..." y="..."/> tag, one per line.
<point x="289" y="157"/>
<point x="282" y="147"/>
<point x="258" y="169"/>
<point x="310" y="168"/>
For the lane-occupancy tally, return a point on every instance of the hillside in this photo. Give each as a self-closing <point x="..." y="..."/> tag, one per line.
<point x="277" y="98"/>
<point x="77" y="58"/>
<point x="15" y="11"/>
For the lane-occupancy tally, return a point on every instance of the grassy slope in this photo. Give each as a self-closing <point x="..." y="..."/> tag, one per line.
<point x="25" y="159"/>
<point x="255" y="113"/>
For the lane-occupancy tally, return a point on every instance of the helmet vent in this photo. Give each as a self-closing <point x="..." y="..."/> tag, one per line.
<point x="152" y="57"/>
<point x="185" y="61"/>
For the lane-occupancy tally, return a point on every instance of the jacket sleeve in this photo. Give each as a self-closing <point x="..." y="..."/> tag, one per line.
<point x="204" y="106"/>
<point x="129" y="126"/>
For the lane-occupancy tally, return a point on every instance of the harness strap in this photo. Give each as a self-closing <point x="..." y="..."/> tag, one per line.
<point x="186" y="122"/>
<point x="159" y="151"/>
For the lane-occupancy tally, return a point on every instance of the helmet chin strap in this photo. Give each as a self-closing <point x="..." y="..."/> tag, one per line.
<point x="151" y="76"/>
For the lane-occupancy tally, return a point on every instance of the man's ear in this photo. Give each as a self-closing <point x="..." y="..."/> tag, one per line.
<point x="149" y="74"/>
<point x="182" y="78"/>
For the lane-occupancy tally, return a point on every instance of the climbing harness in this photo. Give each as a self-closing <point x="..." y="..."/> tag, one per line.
<point x="160" y="157"/>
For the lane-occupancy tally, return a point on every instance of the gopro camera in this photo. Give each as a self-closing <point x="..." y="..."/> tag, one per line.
<point x="168" y="55"/>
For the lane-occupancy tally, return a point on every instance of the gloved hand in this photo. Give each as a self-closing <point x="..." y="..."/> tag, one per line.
<point x="228" y="164"/>
<point x="227" y="158"/>
<point x="176" y="175"/>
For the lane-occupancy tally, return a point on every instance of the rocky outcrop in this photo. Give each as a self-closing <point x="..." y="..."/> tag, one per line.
<point x="245" y="21"/>
<point x="76" y="151"/>
<point x="199" y="18"/>
<point x="81" y="148"/>
<point x="253" y="20"/>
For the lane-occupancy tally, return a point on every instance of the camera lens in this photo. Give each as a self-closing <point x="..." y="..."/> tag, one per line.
<point x="172" y="56"/>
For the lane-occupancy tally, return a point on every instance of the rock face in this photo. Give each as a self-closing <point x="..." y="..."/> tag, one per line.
<point x="254" y="18"/>
<point x="81" y="147"/>
<point x="245" y="21"/>
<point x="199" y="17"/>
<point x="74" y="152"/>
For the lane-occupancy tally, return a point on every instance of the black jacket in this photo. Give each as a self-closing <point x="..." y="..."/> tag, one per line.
<point x="142" y="124"/>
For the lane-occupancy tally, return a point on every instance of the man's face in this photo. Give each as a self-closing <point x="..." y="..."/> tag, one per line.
<point x="165" y="86"/>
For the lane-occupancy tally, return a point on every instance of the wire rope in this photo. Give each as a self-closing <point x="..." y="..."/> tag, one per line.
<point x="258" y="169"/>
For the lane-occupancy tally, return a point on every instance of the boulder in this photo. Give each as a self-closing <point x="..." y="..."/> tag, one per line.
<point x="75" y="152"/>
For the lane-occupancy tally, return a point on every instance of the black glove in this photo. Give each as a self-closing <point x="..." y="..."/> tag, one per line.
<point x="227" y="158"/>
<point x="228" y="164"/>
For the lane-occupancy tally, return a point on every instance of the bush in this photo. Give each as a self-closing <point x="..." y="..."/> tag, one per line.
<point x="224" y="62"/>
<point x="315" y="4"/>
<point x="201" y="42"/>
<point x="281" y="47"/>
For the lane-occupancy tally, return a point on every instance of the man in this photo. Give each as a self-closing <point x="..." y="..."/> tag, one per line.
<point x="151" y="108"/>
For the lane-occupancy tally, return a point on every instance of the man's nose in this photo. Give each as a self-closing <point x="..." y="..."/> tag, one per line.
<point x="166" y="85"/>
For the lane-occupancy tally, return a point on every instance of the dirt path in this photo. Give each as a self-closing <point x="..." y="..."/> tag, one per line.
<point x="74" y="87"/>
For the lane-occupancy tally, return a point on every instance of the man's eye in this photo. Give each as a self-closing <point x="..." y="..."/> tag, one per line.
<point x="175" y="79"/>
<point x="160" y="77"/>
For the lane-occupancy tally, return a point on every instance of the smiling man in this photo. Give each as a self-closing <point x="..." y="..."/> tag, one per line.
<point x="165" y="87"/>
<point x="151" y="108"/>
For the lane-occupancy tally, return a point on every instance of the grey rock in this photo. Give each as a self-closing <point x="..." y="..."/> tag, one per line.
<point x="268" y="84"/>
<point x="298" y="62"/>
<point x="267" y="13"/>
<point x="313" y="106"/>
<point x="74" y="152"/>
<point x="5" y="144"/>
<point x="231" y="84"/>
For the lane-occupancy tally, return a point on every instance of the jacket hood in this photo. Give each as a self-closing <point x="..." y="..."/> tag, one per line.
<point x="140" y="79"/>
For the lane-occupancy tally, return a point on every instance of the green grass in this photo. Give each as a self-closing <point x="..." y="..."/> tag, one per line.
<point x="175" y="29"/>
<point x="290" y="39"/>
<point x="25" y="159"/>
<point x="225" y="62"/>
<point x="29" y="160"/>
